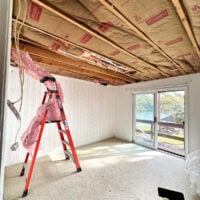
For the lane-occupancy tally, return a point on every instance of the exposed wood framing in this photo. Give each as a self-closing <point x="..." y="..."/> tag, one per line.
<point x="98" y="36"/>
<point x="186" y="25"/>
<point x="140" y="33"/>
<point x="83" y="48"/>
<point x="71" y="64"/>
<point x="67" y="73"/>
<point x="53" y="64"/>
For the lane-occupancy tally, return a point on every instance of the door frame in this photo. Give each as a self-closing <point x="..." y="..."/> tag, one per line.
<point x="134" y="117"/>
<point x="5" y="43"/>
<point x="156" y="91"/>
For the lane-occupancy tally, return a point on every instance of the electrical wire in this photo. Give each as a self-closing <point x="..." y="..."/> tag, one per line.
<point x="16" y="37"/>
<point x="17" y="32"/>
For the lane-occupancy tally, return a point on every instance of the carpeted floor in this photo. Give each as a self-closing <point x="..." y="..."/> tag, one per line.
<point x="111" y="170"/>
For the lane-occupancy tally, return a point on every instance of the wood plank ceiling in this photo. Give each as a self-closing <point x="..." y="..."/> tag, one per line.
<point x="110" y="42"/>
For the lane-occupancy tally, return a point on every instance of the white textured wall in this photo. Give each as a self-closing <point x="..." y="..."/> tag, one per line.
<point x="94" y="112"/>
<point x="194" y="113"/>
<point x="89" y="107"/>
<point x="123" y="128"/>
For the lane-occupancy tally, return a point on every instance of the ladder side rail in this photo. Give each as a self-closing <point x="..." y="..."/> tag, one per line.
<point x="44" y="98"/>
<point x="27" y="154"/>
<point x="36" y="150"/>
<point x="24" y="165"/>
<point x="62" y="139"/>
<point x="65" y="123"/>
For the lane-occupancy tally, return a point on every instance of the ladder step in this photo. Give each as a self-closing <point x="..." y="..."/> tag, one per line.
<point x="65" y="142"/>
<point x="53" y="121"/>
<point x="70" y="154"/>
<point x="62" y="131"/>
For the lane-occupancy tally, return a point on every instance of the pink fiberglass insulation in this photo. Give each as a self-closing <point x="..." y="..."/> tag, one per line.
<point x="54" y="111"/>
<point x="27" y="64"/>
<point x="29" y="137"/>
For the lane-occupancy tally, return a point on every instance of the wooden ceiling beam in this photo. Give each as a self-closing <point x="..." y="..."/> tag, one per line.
<point x="97" y="35"/>
<point x="56" y="65"/>
<point x="133" y="77"/>
<point x="64" y="72"/>
<point x="186" y="25"/>
<point x="117" y="13"/>
<point x="70" y="74"/>
<point x="34" y="50"/>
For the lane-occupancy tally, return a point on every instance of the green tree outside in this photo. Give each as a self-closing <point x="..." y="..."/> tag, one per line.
<point x="171" y="103"/>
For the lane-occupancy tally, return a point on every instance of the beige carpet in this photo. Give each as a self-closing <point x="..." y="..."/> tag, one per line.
<point x="112" y="170"/>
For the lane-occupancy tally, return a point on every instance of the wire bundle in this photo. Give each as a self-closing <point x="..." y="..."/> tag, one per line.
<point x="10" y="104"/>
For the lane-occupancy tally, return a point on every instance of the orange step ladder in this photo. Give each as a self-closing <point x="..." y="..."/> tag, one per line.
<point x="62" y="132"/>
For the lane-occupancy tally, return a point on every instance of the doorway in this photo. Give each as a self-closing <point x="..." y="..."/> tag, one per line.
<point x="171" y="121"/>
<point x="160" y="120"/>
<point x="145" y="119"/>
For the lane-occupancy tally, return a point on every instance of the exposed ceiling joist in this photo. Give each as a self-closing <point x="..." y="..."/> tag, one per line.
<point x="69" y="19"/>
<point x="69" y="63"/>
<point x="65" y="66"/>
<point x="139" y="32"/>
<point x="80" y="37"/>
<point x="52" y="69"/>
<point x="186" y="25"/>
<point x="67" y="73"/>
<point x="75" y="45"/>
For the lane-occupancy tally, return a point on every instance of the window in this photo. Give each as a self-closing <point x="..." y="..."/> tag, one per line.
<point x="160" y="120"/>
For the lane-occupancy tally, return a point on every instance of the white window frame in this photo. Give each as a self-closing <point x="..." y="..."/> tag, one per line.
<point x="156" y="91"/>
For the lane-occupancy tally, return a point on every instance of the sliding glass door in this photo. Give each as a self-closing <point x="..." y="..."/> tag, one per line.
<point x="144" y="114"/>
<point x="171" y="122"/>
<point x="159" y="120"/>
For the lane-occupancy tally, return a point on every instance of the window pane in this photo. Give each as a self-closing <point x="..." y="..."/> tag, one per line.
<point x="145" y="106"/>
<point x="172" y="107"/>
<point x="171" y="139"/>
<point x="171" y="122"/>
<point x="145" y="133"/>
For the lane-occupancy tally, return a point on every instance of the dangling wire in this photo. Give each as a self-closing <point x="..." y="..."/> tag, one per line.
<point x="16" y="37"/>
<point x="21" y="71"/>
